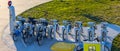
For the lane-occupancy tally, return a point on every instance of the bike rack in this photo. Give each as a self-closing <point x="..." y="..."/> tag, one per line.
<point x="66" y="29"/>
<point x="78" y="31"/>
<point x="104" y="33"/>
<point x="54" y="28"/>
<point x="91" y="31"/>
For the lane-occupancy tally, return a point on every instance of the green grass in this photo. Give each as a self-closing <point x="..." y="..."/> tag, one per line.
<point x="77" y="10"/>
<point x="116" y="44"/>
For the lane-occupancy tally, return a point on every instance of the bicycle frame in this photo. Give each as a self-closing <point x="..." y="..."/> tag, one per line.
<point x="104" y="31"/>
<point x="54" y="28"/>
<point x="91" y="31"/>
<point x="78" y="31"/>
<point x="66" y="29"/>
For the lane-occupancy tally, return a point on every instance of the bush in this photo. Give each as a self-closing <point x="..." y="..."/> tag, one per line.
<point x="116" y="44"/>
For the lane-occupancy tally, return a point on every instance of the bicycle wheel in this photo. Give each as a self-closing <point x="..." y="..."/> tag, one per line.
<point x="78" y="49"/>
<point x="76" y="35"/>
<point x="39" y="39"/>
<point x="14" y="37"/>
<point x="63" y="35"/>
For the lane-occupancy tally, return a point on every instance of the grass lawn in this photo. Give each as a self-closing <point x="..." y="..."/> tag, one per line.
<point x="77" y="10"/>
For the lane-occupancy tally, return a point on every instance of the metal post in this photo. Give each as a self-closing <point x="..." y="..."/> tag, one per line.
<point x="12" y="16"/>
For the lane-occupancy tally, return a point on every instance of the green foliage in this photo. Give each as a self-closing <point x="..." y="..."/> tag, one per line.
<point x="116" y="44"/>
<point x="78" y="10"/>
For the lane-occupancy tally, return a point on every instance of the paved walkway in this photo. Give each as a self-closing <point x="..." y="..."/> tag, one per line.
<point x="20" y="6"/>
